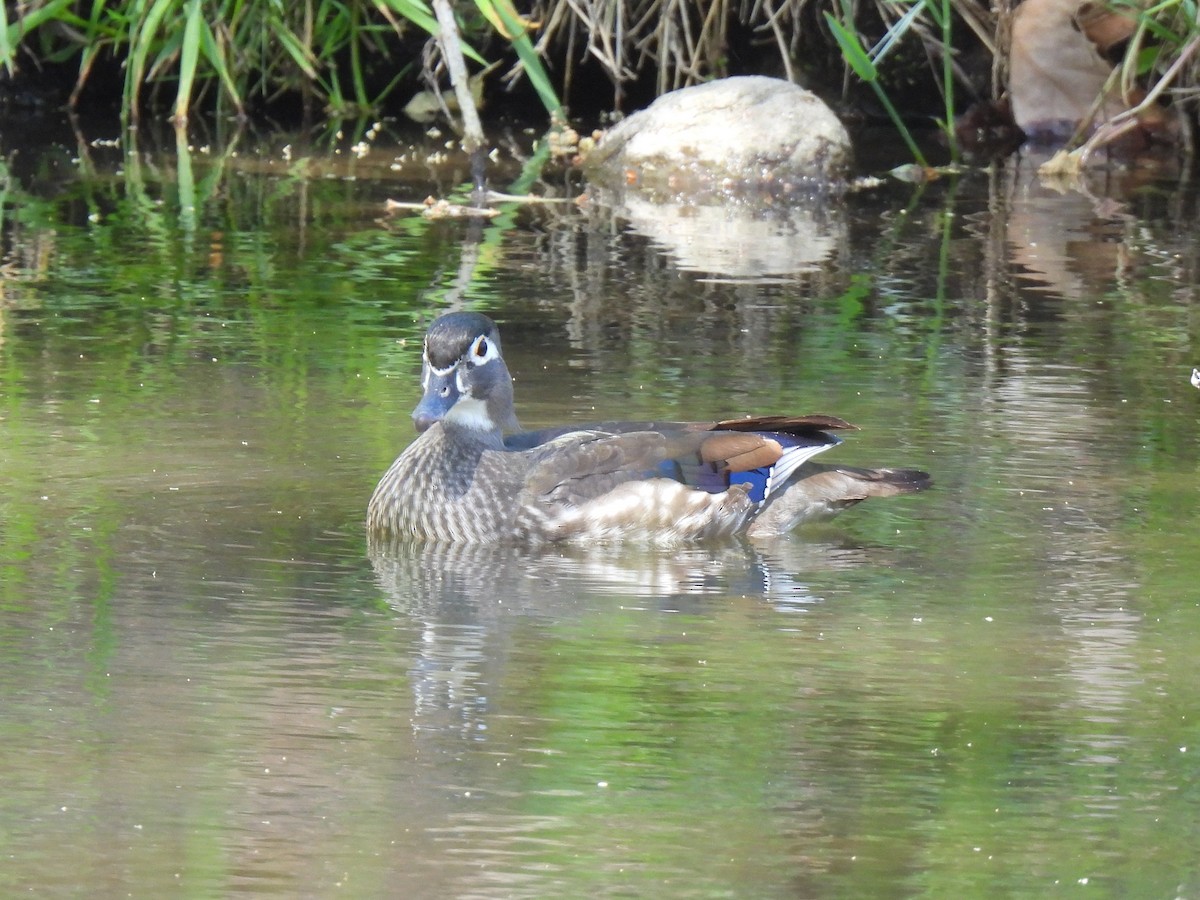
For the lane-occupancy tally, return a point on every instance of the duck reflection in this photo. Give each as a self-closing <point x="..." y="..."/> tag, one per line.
<point x="469" y="600"/>
<point x="486" y="582"/>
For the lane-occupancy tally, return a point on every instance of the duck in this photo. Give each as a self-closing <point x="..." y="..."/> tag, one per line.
<point x="474" y="476"/>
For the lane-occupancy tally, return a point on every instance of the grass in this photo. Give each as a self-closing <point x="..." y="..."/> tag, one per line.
<point x="343" y="56"/>
<point x="348" y="57"/>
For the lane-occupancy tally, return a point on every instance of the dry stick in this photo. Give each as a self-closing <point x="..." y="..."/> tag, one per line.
<point x="600" y="46"/>
<point x="979" y="20"/>
<point x="568" y="57"/>
<point x="619" y="58"/>
<point x="773" y="20"/>
<point x="714" y="26"/>
<point x="1127" y="120"/>
<point x="1002" y="50"/>
<point x="453" y="55"/>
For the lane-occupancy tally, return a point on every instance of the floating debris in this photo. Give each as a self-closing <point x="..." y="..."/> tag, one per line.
<point x="443" y="209"/>
<point x="432" y="208"/>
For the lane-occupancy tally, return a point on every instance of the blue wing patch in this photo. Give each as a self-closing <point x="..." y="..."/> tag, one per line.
<point x="759" y="482"/>
<point x="755" y="481"/>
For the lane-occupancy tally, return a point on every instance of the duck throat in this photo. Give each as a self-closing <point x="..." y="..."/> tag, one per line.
<point x="471" y="417"/>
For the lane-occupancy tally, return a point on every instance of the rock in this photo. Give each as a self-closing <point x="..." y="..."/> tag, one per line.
<point x="748" y="133"/>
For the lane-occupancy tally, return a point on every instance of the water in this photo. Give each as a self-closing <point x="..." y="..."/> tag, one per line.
<point x="212" y="686"/>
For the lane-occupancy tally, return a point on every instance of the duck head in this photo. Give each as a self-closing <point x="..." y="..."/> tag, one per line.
<point x="463" y="376"/>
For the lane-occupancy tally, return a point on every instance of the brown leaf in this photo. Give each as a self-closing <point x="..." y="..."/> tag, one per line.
<point x="1104" y="27"/>
<point x="1056" y="75"/>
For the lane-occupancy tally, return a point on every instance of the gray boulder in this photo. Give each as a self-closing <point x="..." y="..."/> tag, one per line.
<point x="748" y="133"/>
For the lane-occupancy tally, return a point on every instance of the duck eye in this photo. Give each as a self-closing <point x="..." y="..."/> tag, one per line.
<point x="481" y="348"/>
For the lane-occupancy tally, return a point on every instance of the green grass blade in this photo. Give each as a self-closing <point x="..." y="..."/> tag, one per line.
<point x="189" y="56"/>
<point x="185" y="184"/>
<point x="356" y="63"/>
<point x="422" y="16"/>
<point x="141" y="42"/>
<point x="534" y="69"/>
<point x="12" y="33"/>
<point x="415" y="11"/>
<point x="1147" y="60"/>
<point x="212" y="52"/>
<point x="859" y="60"/>
<point x="852" y="49"/>
<point x="947" y="24"/>
<point x="6" y="44"/>
<point x="296" y="50"/>
<point x="894" y="115"/>
<point x="393" y="84"/>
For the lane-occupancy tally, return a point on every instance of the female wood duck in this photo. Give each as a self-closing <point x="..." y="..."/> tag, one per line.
<point x="463" y="481"/>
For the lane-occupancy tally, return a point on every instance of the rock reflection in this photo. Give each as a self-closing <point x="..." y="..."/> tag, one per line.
<point x="742" y="241"/>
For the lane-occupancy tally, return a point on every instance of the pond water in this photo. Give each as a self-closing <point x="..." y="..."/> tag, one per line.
<point x="208" y="354"/>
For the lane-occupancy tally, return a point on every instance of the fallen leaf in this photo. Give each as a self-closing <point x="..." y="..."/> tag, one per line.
<point x="1056" y="76"/>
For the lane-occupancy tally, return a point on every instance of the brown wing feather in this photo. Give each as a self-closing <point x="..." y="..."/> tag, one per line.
<point x="740" y="450"/>
<point x="580" y="465"/>
<point x="786" y="424"/>
<point x="583" y="464"/>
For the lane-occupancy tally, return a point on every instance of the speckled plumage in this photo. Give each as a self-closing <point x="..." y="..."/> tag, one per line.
<point x="461" y="481"/>
<point x="448" y="487"/>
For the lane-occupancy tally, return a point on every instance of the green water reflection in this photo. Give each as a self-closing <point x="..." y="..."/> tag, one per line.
<point x="212" y="688"/>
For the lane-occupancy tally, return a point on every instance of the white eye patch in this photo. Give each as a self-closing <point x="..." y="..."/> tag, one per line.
<point x="483" y="350"/>
<point x="460" y="381"/>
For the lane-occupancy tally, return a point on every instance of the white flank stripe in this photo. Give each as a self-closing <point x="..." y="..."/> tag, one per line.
<point x="792" y="459"/>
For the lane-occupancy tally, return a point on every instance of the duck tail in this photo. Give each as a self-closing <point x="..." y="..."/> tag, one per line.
<point x="822" y="491"/>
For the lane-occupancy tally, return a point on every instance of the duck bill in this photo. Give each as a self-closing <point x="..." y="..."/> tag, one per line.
<point x="441" y="393"/>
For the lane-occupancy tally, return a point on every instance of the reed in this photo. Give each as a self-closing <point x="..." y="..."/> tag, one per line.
<point x="342" y="56"/>
<point x="347" y="57"/>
